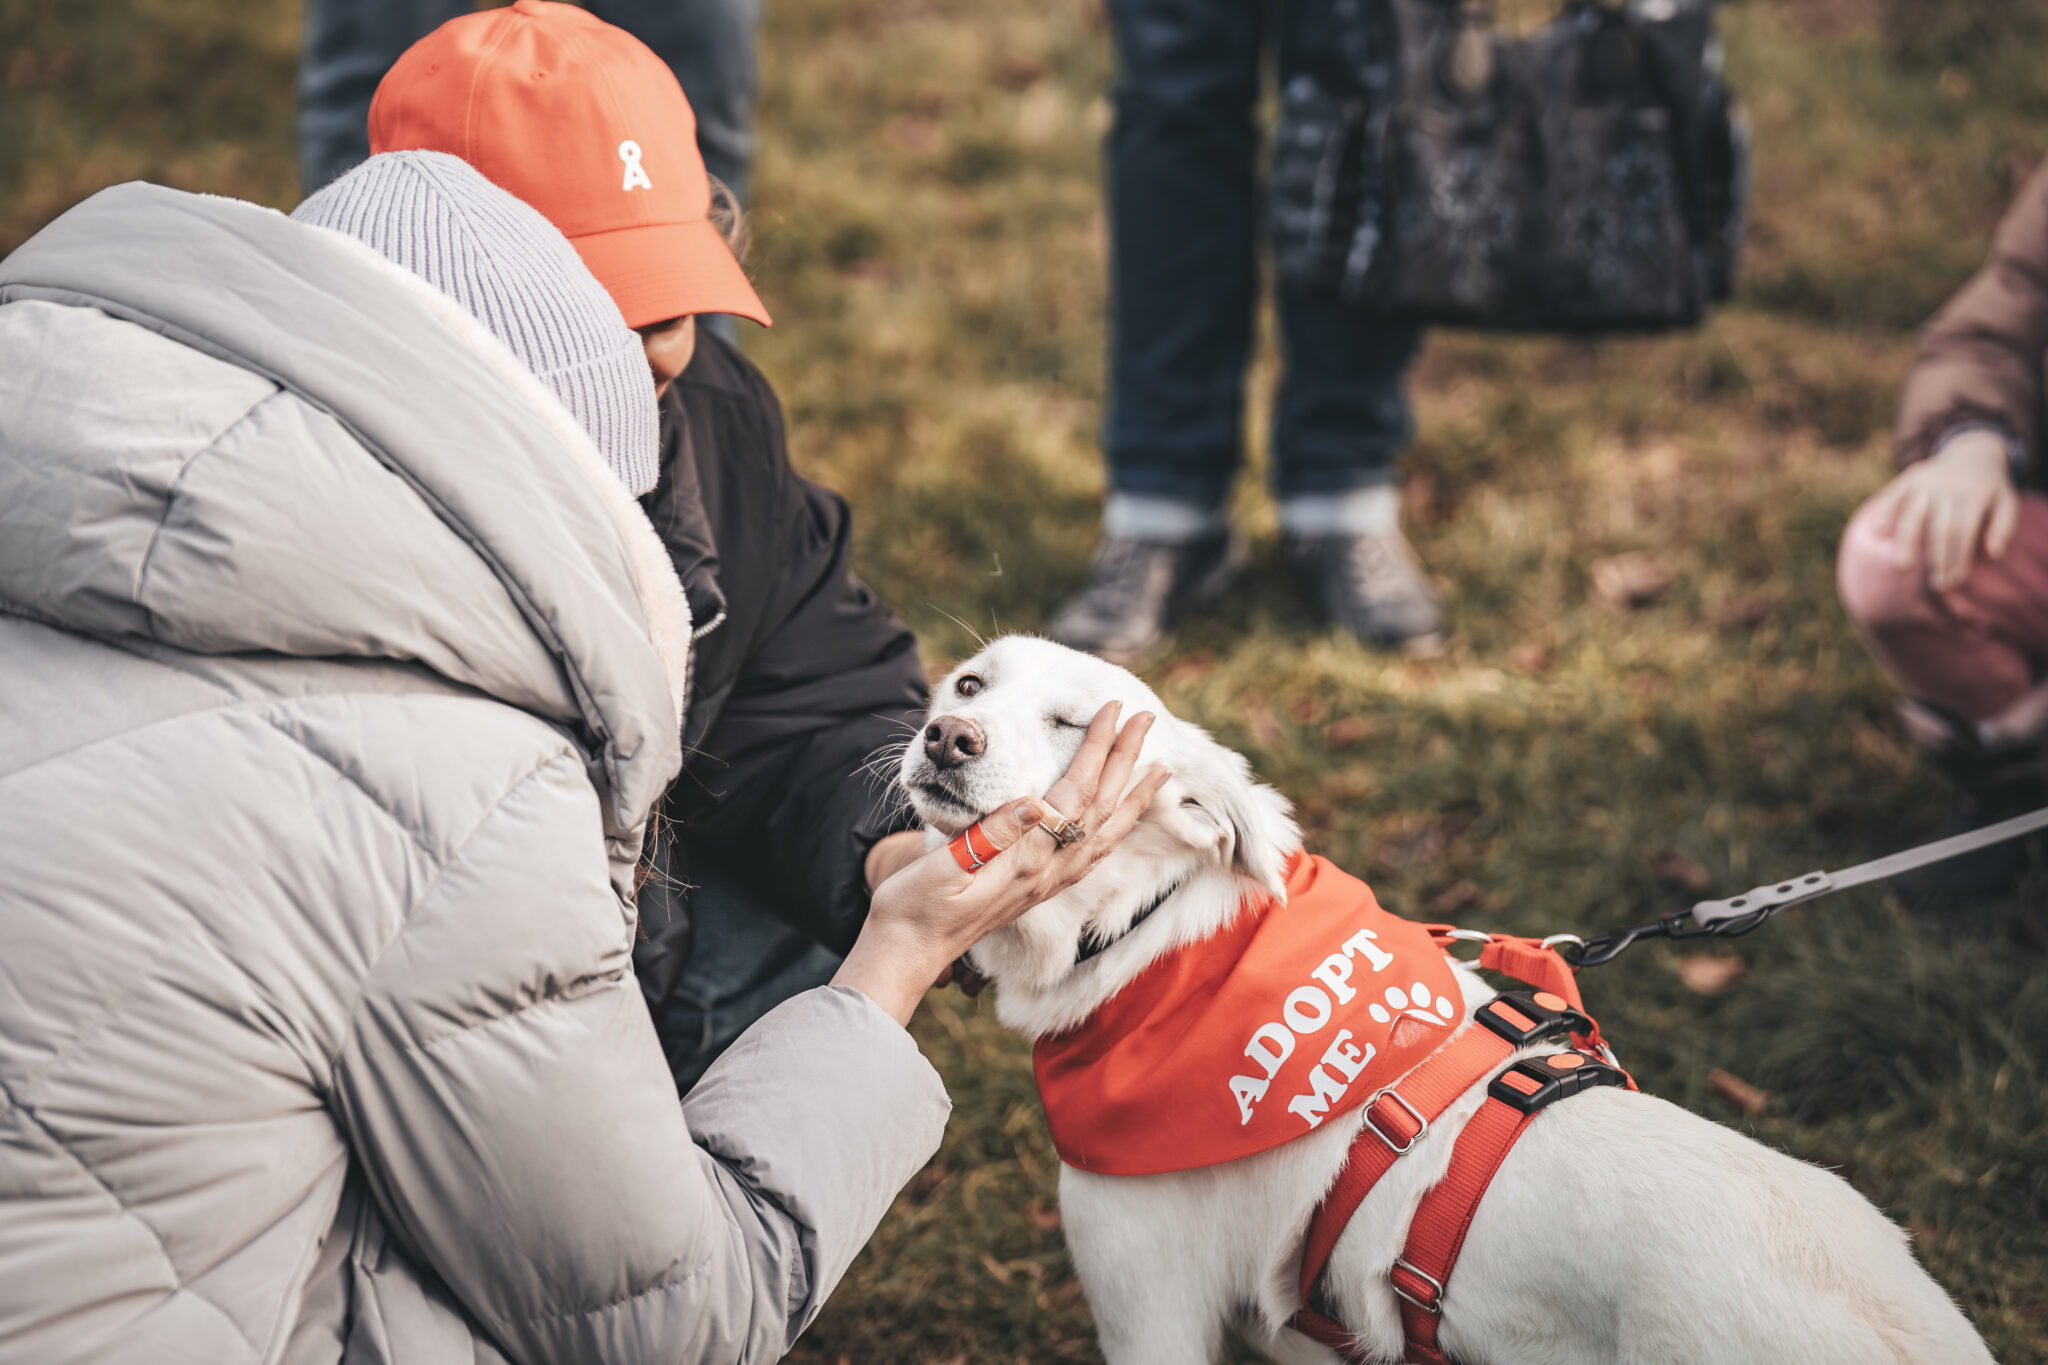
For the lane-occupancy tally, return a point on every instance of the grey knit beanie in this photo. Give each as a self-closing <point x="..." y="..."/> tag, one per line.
<point x="511" y="270"/>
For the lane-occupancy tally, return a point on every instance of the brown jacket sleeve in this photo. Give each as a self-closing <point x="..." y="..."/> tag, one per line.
<point x="1981" y="357"/>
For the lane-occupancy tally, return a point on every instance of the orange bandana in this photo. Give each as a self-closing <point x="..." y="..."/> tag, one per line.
<point x="1243" y="1041"/>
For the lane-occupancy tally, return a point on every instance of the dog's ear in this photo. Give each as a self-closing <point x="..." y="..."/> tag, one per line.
<point x="1255" y="822"/>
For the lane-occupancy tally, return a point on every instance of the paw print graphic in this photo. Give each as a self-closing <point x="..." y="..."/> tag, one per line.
<point x="1414" y="1003"/>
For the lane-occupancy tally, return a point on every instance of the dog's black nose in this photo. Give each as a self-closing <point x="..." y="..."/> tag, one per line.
<point x="950" y="741"/>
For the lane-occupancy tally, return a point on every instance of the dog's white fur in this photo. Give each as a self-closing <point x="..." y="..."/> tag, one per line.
<point x="1620" y="1228"/>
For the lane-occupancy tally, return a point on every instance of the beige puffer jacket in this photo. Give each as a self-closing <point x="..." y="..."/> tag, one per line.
<point x="337" y="678"/>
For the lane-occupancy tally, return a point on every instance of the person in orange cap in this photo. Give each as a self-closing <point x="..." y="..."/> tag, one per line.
<point x="775" y="838"/>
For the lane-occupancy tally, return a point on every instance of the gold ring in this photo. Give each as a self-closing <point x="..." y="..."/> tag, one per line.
<point x="1063" y="830"/>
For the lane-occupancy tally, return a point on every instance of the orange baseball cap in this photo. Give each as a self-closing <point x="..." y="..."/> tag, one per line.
<point x="584" y="122"/>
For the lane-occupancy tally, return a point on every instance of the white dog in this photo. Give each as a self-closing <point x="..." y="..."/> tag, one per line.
<point x="1620" y="1227"/>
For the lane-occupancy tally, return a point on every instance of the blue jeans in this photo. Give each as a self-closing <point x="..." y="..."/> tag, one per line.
<point x="1184" y="281"/>
<point x="350" y="44"/>
<point x="743" y="963"/>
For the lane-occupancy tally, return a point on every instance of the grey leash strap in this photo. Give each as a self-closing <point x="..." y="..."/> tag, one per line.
<point x="1778" y="895"/>
<point x="1737" y="915"/>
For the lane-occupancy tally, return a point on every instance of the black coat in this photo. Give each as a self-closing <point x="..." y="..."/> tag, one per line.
<point x="799" y="676"/>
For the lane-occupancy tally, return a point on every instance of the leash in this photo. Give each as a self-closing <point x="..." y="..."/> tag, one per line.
<point x="1738" y="915"/>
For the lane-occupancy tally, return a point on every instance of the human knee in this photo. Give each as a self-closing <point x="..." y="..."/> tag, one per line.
<point x="1877" y="592"/>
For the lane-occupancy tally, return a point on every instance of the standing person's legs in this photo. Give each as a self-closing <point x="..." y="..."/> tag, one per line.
<point x="1183" y="283"/>
<point x="347" y="48"/>
<point x="1183" y="286"/>
<point x="1341" y="420"/>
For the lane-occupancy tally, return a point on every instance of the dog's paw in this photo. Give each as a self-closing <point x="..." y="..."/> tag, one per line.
<point x="1415" y="1003"/>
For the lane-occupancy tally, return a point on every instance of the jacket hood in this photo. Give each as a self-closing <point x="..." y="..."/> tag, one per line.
<point x="227" y="432"/>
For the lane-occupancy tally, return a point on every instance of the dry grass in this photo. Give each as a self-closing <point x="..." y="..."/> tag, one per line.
<point x="930" y="235"/>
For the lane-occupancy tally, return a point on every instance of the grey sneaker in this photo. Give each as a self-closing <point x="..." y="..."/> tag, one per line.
<point x="1137" y="592"/>
<point x="1374" y="587"/>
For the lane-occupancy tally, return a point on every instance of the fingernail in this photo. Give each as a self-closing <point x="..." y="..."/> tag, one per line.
<point x="1025" y="812"/>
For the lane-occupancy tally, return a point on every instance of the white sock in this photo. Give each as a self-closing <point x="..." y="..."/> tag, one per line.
<point x="1163" y="520"/>
<point x="1369" y="511"/>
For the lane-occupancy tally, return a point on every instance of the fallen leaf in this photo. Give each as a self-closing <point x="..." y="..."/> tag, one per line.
<point x="1264" y="725"/>
<point x="913" y="133"/>
<point x="1416" y="846"/>
<point x="995" y="1268"/>
<point x="1529" y="657"/>
<point x="1675" y="868"/>
<point x="1738" y="1092"/>
<point x="1045" y="1220"/>
<point x="1314" y="814"/>
<point x="1427" y="500"/>
<point x="1742" y="613"/>
<point x="1452" y="899"/>
<point x="1710" y="973"/>
<point x="1306" y="708"/>
<point x="895" y="14"/>
<point x="1627" y="581"/>
<point x="869" y="270"/>
<point x="1193" y="667"/>
<point x="1019" y="70"/>
<point x="1345" y="733"/>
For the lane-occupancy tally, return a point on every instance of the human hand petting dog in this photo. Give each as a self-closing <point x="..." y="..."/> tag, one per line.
<point x="932" y="911"/>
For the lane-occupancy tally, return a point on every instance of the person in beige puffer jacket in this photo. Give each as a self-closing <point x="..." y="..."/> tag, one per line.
<point x="338" y="676"/>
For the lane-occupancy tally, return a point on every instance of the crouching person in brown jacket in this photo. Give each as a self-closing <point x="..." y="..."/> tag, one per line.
<point x="1945" y="571"/>
<point x="339" y="673"/>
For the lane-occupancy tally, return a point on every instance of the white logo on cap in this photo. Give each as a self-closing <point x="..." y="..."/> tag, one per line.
<point x="636" y="176"/>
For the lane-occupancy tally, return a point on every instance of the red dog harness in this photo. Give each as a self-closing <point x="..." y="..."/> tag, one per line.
<point x="1398" y="1116"/>
<point x="1300" y="1010"/>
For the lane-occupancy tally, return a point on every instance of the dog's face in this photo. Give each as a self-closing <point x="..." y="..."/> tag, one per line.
<point x="1006" y="724"/>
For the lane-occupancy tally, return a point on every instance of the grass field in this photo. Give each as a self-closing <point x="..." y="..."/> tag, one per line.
<point x="930" y="235"/>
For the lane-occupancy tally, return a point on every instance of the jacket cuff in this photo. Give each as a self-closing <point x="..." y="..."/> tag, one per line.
<point x="825" y="1108"/>
<point x="2017" y="464"/>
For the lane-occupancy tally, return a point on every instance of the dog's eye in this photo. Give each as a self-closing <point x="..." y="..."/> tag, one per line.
<point x="967" y="684"/>
<point x="1062" y="723"/>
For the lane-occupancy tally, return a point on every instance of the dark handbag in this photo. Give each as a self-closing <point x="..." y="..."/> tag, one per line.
<point x="1589" y="177"/>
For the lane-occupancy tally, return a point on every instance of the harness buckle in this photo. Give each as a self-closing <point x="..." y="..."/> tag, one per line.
<point x="1534" y="1082"/>
<point x="1421" y="1123"/>
<point x="1432" y="1288"/>
<point x="1524" y="1017"/>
